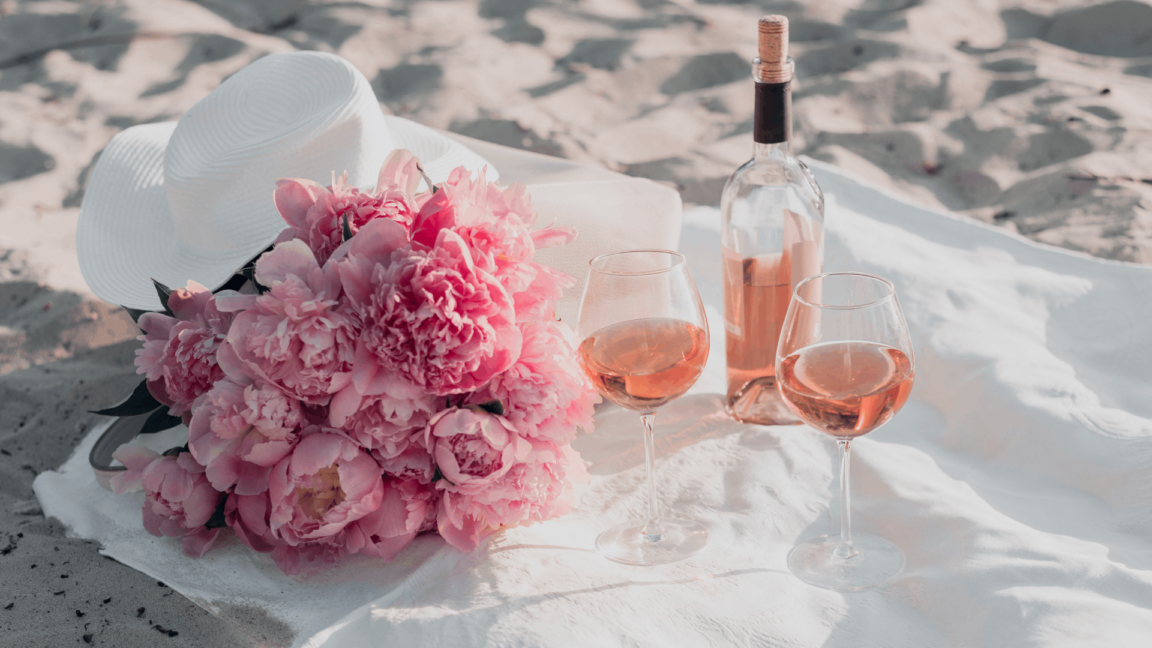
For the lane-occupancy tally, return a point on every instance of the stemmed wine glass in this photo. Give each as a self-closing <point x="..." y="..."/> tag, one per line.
<point x="644" y="343"/>
<point x="845" y="366"/>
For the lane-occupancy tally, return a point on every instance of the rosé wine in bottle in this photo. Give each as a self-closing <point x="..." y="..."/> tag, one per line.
<point x="846" y="389"/>
<point x="772" y="232"/>
<point x="643" y="364"/>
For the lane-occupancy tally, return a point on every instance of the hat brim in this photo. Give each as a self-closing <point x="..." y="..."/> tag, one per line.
<point x="126" y="235"/>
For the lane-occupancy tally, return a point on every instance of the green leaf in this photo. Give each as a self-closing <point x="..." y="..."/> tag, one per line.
<point x="159" y="421"/>
<point x="250" y="273"/>
<point x="347" y="227"/>
<point x="428" y="181"/>
<point x="217" y="520"/>
<point x="140" y="402"/>
<point x="177" y="451"/>
<point x="163" y="291"/>
<point x="439" y="475"/>
<point x="236" y="282"/>
<point x="493" y="407"/>
<point x="135" y="313"/>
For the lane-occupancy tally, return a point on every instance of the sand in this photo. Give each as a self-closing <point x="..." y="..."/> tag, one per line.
<point x="1032" y="115"/>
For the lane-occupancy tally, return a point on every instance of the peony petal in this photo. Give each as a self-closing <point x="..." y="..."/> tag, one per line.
<point x="465" y="537"/>
<point x="389" y="548"/>
<point x="293" y="258"/>
<point x="152" y="521"/>
<point x="200" y="505"/>
<point x="253" y="511"/>
<point x="223" y="465"/>
<point x="230" y="301"/>
<point x="401" y="170"/>
<point x="157" y="326"/>
<point x="359" y="476"/>
<point x="252" y="479"/>
<point x="365" y="368"/>
<point x="354" y="539"/>
<point x="159" y="391"/>
<point x="189" y="464"/>
<point x="177" y="485"/>
<point x="395" y="517"/>
<point x="293" y="198"/>
<point x="200" y="434"/>
<point x="278" y="485"/>
<point x="135" y="458"/>
<point x="189" y="303"/>
<point x="268" y="453"/>
<point x="197" y="544"/>
<point x="314" y="452"/>
<point x="378" y="239"/>
<point x="287" y="559"/>
<point x="553" y="236"/>
<point x="344" y="404"/>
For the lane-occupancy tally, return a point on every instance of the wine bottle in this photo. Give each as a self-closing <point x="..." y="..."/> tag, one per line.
<point x="772" y="233"/>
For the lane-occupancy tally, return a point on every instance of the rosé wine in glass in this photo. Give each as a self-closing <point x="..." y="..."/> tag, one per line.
<point x="846" y="389"/>
<point x="643" y="364"/>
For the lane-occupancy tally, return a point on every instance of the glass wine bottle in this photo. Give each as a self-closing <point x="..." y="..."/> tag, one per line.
<point x="772" y="234"/>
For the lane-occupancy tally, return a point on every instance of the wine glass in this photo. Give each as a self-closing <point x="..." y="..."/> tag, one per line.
<point x="845" y="367"/>
<point x="644" y="343"/>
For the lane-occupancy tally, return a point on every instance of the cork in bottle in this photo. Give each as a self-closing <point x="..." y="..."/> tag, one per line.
<point x="772" y="65"/>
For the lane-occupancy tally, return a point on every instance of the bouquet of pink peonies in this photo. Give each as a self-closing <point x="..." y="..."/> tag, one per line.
<point x="392" y="366"/>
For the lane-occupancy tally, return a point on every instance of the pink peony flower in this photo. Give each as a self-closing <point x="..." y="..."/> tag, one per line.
<point x="293" y="337"/>
<point x="430" y="318"/>
<point x="408" y="508"/>
<point x="178" y="499"/>
<point x="414" y="463"/>
<point x="542" y="487"/>
<point x="241" y="429"/>
<point x="536" y="288"/>
<point x="545" y="394"/>
<point x="247" y="516"/>
<point x="340" y="411"/>
<point x="473" y="448"/>
<point x="386" y="425"/>
<point x="315" y="214"/>
<point x="318" y="490"/>
<point x="178" y="358"/>
<point x="495" y="224"/>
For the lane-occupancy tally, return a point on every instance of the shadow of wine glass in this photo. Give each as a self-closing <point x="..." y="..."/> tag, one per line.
<point x="536" y="599"/>
<point x="618" y="443"/>
<point x="504" y="548"/>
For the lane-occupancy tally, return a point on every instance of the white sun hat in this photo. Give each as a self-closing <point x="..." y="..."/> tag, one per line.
<point x="192" y="200"/>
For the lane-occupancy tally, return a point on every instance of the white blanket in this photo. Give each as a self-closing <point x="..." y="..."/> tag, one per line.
<point x="1017" y="480"/>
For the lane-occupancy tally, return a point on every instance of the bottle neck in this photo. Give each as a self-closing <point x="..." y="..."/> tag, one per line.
<point x="778" y="151"/>
<point x="772" y="121"/>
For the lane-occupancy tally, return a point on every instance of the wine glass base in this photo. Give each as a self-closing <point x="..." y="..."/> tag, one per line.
<point x="876" y="562"/>
<point x="626" y="543"/>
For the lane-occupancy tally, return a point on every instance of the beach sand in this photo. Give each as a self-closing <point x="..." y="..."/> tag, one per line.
<point x="1033" y="115"/>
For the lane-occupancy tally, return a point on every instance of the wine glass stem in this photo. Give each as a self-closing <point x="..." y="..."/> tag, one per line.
<point x="845" y="549"/>
<point x="653" y="529"/>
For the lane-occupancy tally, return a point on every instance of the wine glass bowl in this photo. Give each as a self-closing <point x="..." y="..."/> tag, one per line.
<point x="644" y="343"/>
<point x="845" y="367"/>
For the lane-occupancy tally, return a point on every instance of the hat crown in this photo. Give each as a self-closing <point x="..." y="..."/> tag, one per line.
<point x="298" y="115"/>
